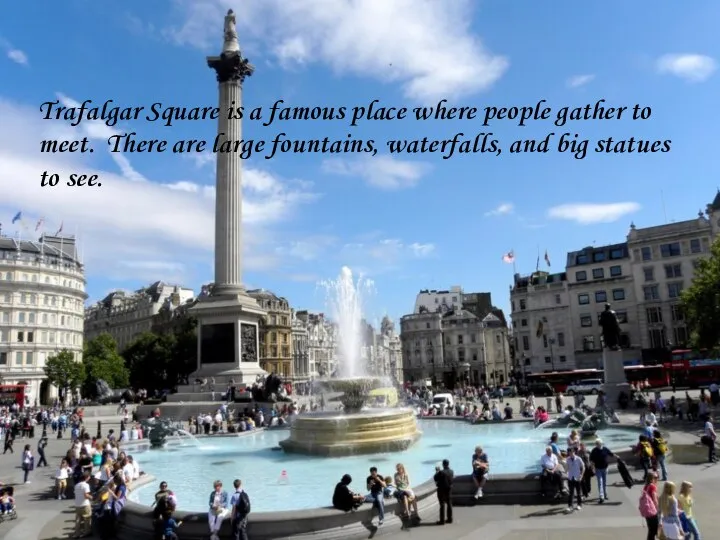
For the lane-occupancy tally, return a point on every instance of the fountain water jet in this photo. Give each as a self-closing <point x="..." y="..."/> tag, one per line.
<point x="355" y="430"/>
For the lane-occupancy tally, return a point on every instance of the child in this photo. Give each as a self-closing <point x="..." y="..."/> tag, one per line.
<point x="61" y="477"/>
<point x="170" y="526"/>
<point x="390" y="489"/>
<point x="7" y="502"/>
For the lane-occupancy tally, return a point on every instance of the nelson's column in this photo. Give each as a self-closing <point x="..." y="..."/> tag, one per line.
<point x="228" y="318"/>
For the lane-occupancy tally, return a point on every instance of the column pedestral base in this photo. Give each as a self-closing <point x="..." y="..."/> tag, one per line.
<point x="230" y="305"/>
<point x="615" y="380"/>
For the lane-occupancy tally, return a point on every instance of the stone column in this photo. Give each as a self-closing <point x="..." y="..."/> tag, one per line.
<point x="231" y="69"/>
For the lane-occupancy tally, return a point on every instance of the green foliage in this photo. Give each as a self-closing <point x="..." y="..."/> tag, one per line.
<point x="163" y="361"/>
<point x="102" y="361"/>
<point x="64" y="372"/>
<point x="701" y="301"/>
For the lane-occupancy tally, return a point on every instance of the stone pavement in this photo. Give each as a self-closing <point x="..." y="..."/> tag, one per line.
<point x="41" y="517"/>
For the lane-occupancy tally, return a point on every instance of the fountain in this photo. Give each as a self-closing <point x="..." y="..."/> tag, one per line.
<point x="355" y="430"/>
<point x="184" y="435"/>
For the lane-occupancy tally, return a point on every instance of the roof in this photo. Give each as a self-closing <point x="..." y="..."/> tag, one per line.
<point x="715" y="205"/>
<point x="52" y="246"/>
<point x="459" y="314"/>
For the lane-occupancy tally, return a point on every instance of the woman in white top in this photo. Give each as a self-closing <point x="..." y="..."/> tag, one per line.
<point x="28" y="463"/>
<point x="709" y="439"/>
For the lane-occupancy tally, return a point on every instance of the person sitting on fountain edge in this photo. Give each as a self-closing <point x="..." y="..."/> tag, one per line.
<point x="343" y="498"/>
<point x="376" y="485"/>
<point x="480" y="468"/>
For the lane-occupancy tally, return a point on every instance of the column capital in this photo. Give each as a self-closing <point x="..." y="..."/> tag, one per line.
<point x="231" y="67"/>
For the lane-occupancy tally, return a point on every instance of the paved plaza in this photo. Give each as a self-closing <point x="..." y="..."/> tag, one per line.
<point x="42" y="517"/>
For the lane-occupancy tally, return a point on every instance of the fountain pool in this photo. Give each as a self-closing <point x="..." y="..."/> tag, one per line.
<point x="308" y="481"/>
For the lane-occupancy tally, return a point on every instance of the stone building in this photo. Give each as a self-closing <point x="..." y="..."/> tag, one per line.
<point x="300" y="348"/>
<point x="322" y="344"/>
<point x="42" y="306"/>
<point x="275" y="333"/>
<point x="126" y="315"/>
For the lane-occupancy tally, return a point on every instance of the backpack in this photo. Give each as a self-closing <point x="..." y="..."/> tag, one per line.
<point x="660" y="446"/>
<point x="646" y="505"/>
<point x="243" y="504"/>
<point x="646" y="449"/>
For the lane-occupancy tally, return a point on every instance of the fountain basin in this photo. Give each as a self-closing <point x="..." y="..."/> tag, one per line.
<point x="367" y="432"/>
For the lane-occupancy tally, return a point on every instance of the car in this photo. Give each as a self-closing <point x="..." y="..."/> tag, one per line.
<point x="443" y="400"/>
<point x="585" y="386"/>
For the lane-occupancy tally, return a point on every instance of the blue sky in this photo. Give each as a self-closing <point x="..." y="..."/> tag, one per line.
<point x="407" y="222"/>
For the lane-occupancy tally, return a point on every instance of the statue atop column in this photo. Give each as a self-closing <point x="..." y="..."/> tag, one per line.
<point x="610" y="328"/>
<point x="231" y="44"/>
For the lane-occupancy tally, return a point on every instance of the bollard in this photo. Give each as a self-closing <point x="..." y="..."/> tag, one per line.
<point x="59" y="435"/>
<point x="99" y="430"/>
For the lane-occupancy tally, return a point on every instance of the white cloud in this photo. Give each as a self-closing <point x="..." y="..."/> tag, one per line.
<point x="384" y="172"/>
<point x="128" y="225"/>
<point x="425" y="45"/>
<point x="576" y="81"/>
<point x="588" y="213"/>
<point x="13" y="53"/>
<point x="691" y="67"/>
<point x="502" y="210"/>
<point x="422" y="250"/>
<point x="387" y="250"/>
<point x="308" y="249"/>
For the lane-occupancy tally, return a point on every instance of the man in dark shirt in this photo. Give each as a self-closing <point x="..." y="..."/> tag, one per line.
<point x="599" y="462"/>
<point x="444" y="481"/>
<point x="480" y="468"/>
<point x="344" y="499"/>
<point x="376" y="485"/>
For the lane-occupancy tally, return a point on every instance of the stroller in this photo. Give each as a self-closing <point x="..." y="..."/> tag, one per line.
<point x="7" y="515"/>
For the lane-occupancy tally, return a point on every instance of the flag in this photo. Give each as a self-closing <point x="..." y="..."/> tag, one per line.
<point x="547" y="258"/>
<point x="18" y="217"/>
<point x="540" y="328"/>
<point x="509" y="257"/>
<point x="537" y="264"/>
<point x="60" y="229"/>
<point x="40" y="223"/>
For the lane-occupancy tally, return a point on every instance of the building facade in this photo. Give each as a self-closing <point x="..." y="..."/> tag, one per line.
<point x="321" y="345"/>
<point x="42" y="306"/>
<point x="455" y="347"/>
<point x="541" y="320"/>
<point x="556" y="316"/>
<point x="301" y="358"/>
<point x="598" y="276"/>
<point x="276" y="354"/>
<point x="126" y="315"/>
<point x="439" y="300"/>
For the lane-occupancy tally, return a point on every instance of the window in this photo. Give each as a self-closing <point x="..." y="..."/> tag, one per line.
<point x="563" y="359"/>
<point x="588" y="343"/>
<point x="618" y="294"/>
<point x="45" y="318"/>
<point x="646" y="253"/>
<point x="526" y="343"/>
<point x="658" y="339"/>
<point x="561" y="339"/>
<point x="21" y="337"/>
<point x="21" y="317"/>
<point x="585" y="320"/>
<point x="3" y="359"/>
<point x="649" y="273"/>
<point x="582" y="259"/>
<point x="599" y="256"/>
<point x="681" y="335"/>
<point x="651" y="292"/>
<point x="670" y="250"/>
<point x="31" y="318"/>
<point x="523" y="304"/>
<point x="545" y="341"/>
<point x="677" y="313"/>
<point x="583" y="299"/>
<point x="472" y="338"/>
<point x="28" y="358"/>
<point x="523" y="322"/>
<point x="600" y="297"/>
<point x="674" y="289"/>
<point x="31" y="337"/>
<point x="548" y="359"/>
<point x="598" y="273"/>
<point x="454" y="299"/>
<point x="5" y="317"/>
<point x="695" y="246"/>
<point x="460" y="339"/>
<point x="673" y="271"/>
<point x="654" y="315"/>
<point x="581" y="275"/>
<point x="617" y="253"/>
<point x="622" y="316"/>
<point x="557" y="299"/>
<point x="18" y="358"/>
<point x="616" y="271"/>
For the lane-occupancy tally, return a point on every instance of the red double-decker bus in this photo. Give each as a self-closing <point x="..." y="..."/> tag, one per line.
<point x="693" y="369"/>
<point x="12" y="393"/>
<point x="655" y="376"/>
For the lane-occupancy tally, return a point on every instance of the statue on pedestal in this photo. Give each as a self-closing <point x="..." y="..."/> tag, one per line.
<point x="230" y="35"/>
<point x="610" y="328"/>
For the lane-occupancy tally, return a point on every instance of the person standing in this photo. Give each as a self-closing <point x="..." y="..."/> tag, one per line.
<point x="444" y="479"/>
<point x="28" y="463"/>
<point x="709" y="439"/>
<point x="218" y="503"/>
<point x="599" y="462"/>
<point x="42" y="443"/>
<point x="83" y="508"/>
<point x="649" y="505"/>
<point x="240" y="503"/>
<point x="575" y="471"/>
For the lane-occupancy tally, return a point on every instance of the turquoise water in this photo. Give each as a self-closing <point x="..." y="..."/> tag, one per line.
<point x="308" y="482"/>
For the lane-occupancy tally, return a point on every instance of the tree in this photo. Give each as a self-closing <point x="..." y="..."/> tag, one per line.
<point x="102" y="361"/>
<point x="64" y="372"/>
<point x="701" y="301"/>
<point x="163" y="361"/>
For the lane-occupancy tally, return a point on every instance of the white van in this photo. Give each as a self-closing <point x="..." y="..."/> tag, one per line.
<point x="443" y="400"/>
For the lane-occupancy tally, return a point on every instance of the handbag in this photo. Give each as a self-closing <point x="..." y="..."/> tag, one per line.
<point x="672" y="531"/>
